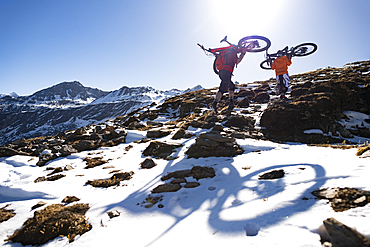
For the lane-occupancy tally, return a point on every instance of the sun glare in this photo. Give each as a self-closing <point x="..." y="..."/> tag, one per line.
<point x="244" y="17"/>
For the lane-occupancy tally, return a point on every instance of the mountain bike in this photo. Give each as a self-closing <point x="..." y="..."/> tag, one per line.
<point x="251" y="43"/>
<point x="300" y="50"/>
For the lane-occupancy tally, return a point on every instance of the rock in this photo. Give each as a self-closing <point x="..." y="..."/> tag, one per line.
<point x="344" y="236"/>
<point x="261" y="97"/>
<point x="38" y="205"/>
<point x="83" y="145"/>
<point x="179" y="134"/>
<point x="318" y="107"/>
<point x="275" y="174"/>
<point x="147" y="164"/>
<point x="80" y="131"/>
<point x="240" y="121"/>
<point x="93" y="162"/>
<point x="342" y="199"/>
<point x="131" y="120"/>
<point x="7" y="152"/>
<point x="52" y="178"/>
<point x="68" y="168"/>
<point x="207" y="143"/>
<point x="192" y="185"/>
<point x="244" y="103"/>
<point x="112" y="181"/>
<point x="160" y="149"/>
<point x="166" y="188"/>
<point x="109" y="135"/>
<point x="67" y="150"/>
<point x="45" y="158"/>
<point x="157" y="133"/>
<point x="200" y="172"/>
<point x="153" y="123"/>
<point x="197" y="172"/>
<point x="113" y="214"/>
<point x="56" y="170"/>
<point x="328" y="193"/>
<point x="178" y="181"/>
<point x="70" y="199"/>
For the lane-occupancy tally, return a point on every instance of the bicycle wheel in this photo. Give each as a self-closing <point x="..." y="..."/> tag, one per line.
<point x="262" y="43"/>
<point x="304" y="49"/>
<point x="265" y="65"/>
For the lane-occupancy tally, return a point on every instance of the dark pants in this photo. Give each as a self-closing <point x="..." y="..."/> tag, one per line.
<point x="226" y="83"/>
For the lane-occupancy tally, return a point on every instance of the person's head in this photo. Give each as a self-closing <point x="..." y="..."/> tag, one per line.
<point x="280" y="53"/>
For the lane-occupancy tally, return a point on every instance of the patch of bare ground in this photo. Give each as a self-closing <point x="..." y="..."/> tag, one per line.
<point x="51" y="222"/>
<point x="6" y="214"/>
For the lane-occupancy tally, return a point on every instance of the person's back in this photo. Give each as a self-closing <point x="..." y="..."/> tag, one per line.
<point x="280" y="65"/>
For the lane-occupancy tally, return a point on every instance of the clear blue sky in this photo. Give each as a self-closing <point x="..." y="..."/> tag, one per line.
<point x="107" y="44"/>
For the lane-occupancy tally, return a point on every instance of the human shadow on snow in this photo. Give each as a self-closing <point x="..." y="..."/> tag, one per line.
<point x="190" y="200"/>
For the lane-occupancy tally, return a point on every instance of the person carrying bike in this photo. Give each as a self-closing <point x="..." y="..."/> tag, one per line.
<point x="280" y="65"/>
<point x="226" y="61"/>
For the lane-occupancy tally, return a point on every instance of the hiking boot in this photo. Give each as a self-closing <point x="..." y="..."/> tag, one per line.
<point x="214" y="106"/>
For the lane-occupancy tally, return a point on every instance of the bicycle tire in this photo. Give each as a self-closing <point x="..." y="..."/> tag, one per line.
<point x="265" y="65"/>
<point x="304" y="49"/>
<point x="266" y="43"/>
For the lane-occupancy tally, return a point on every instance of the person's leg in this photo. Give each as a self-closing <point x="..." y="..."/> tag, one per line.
<point x="281" y="85"/>
<point x="222" y="89"/>
<point x="286" y="82"/>
<point x="277" y="85"/>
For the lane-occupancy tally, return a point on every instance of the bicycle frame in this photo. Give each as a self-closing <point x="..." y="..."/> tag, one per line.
<point x="216" y="51"/>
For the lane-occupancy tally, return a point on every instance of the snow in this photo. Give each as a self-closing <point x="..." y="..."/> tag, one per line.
<point x="234" y="208"/>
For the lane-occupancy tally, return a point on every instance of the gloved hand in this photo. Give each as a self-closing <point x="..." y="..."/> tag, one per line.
<point x="244" y="50"/>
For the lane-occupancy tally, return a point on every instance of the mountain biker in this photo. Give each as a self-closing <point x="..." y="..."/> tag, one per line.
<point x="225" y="63"/>
<point x="280" y="65"/>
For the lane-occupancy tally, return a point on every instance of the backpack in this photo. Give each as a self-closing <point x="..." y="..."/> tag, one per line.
<point x="226" y="60"/>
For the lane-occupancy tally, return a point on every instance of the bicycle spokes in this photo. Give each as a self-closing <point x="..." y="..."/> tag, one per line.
<point x="301" y="50"/>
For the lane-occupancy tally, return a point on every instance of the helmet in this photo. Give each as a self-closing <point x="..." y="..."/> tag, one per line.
<point x="280" y="53"/>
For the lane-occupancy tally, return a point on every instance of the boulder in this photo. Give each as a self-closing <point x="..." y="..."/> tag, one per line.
<point x="148" y="163"/>
<point x="344" y="236"/>
<point x="157" y="133"/>
<point x="213" y="144"/>
<point x="7" y="152"/>
<point x="166" y="188"/>
<point x="160" y="149"/>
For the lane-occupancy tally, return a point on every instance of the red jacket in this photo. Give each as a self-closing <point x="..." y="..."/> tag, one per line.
<point x="280" y="65"/>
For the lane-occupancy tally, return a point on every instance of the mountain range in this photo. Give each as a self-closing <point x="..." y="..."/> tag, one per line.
<point x="69" y="105"/>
